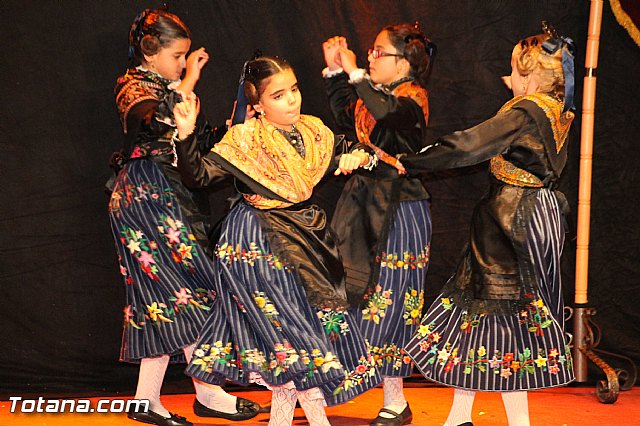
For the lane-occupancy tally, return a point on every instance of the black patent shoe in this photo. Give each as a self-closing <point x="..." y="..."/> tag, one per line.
<point x="466" y="424"/>
<point x="246" y="409"/>
<point x="403" y="418"/>
<point x="157" y="419"/>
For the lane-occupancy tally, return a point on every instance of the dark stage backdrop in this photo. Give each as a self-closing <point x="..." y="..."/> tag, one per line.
<point x="61" y="294"/>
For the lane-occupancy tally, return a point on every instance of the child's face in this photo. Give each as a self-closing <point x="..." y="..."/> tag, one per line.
<point x="170" y="60"/>
<point x="281" y="100"/>
<point x="386" y="69"/>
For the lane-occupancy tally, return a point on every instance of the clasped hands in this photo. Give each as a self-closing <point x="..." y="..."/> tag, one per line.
<point x="338" y="55"/>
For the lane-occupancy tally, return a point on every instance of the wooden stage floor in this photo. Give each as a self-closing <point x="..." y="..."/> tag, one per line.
<point x="571" y="406"/>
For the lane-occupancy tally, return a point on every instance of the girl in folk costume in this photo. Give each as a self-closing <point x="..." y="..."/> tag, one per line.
<point x="382" y="218"/>
<point x="280" y="314"/>
<point x="498" y="324"/>
<point x="159" y="232"/>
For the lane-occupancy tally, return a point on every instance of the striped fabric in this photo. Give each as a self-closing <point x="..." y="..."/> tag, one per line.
<point x="524" y="351"/>
<point x="167" y="275"/>
<point x="262" y="323"/>
<point x="393" y="311"/>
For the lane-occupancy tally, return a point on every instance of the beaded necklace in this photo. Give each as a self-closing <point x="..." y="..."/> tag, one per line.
<point x="295" y="139"/>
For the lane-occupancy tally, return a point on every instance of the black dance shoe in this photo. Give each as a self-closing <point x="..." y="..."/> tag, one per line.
<point x="156" y="419"/>
<point x="403" y="418"/>
<point x="466" y="424"/>
<point x="246" y="409"/>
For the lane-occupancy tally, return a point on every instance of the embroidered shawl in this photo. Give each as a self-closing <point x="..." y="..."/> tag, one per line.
<point x="265" y="155"/>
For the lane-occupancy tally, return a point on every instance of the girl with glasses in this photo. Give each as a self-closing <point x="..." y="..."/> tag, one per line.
<point x="382" y="218"/>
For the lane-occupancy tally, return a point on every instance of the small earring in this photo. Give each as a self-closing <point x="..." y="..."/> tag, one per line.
<point x="525" y="83"/>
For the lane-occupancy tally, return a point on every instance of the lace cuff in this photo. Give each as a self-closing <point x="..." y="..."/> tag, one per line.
<point x="327" y="73"/>
<point x="373" y="159"/>
<point x="357" y="75"/>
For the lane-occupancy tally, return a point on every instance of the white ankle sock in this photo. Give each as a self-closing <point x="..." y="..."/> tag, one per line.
<point x="150" y="382"/>
<point x="517" y="407"/>
<point x="283" y="404"/>
<point x="461" y="407"/>
<point x="312" y="402"/>
<point x="211" y="396"/>
<point x="394" y="399"/>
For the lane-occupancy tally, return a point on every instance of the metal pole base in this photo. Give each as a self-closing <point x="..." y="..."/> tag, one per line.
<point x="584" y="345"/>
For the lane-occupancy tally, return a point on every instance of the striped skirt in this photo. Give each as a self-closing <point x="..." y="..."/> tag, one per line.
<point x="523" y="351"/>
<point x="167" y="275"/>
<point x="262" y="324"/>
<point x="392" y="310"/>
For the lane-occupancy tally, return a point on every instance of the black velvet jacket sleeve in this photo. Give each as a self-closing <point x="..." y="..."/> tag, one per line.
<point x="207" y="135"/>
<point x="342" y="101"/>
<point x="394" y="112"/>
<point x="197" y="171"/>
<point x="400" y="119"/>
<point x="471" y="146"/>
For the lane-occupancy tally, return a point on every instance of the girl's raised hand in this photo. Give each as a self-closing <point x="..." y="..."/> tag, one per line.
<point x="347" y="59"/>
<point x="196" y="61"/>
<point x="185" y="114"/>
<point x="330" y="50"/>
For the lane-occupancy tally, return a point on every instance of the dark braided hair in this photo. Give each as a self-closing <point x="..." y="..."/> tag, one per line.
<point x="415" y="47"/>
<point x="153" y="30"/>
<point x="257" y="73"/>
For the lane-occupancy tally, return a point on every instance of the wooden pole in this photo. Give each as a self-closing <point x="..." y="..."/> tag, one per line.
<point x="584" y="188"/>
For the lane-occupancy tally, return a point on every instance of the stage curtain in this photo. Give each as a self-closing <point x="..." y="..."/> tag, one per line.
<point x="61" y="293"/>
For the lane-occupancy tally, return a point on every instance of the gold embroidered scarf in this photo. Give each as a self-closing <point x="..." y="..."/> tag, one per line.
<point x="365" y="122"/>
<point x="260" y="151"/>
<point x="560" y="124"/>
